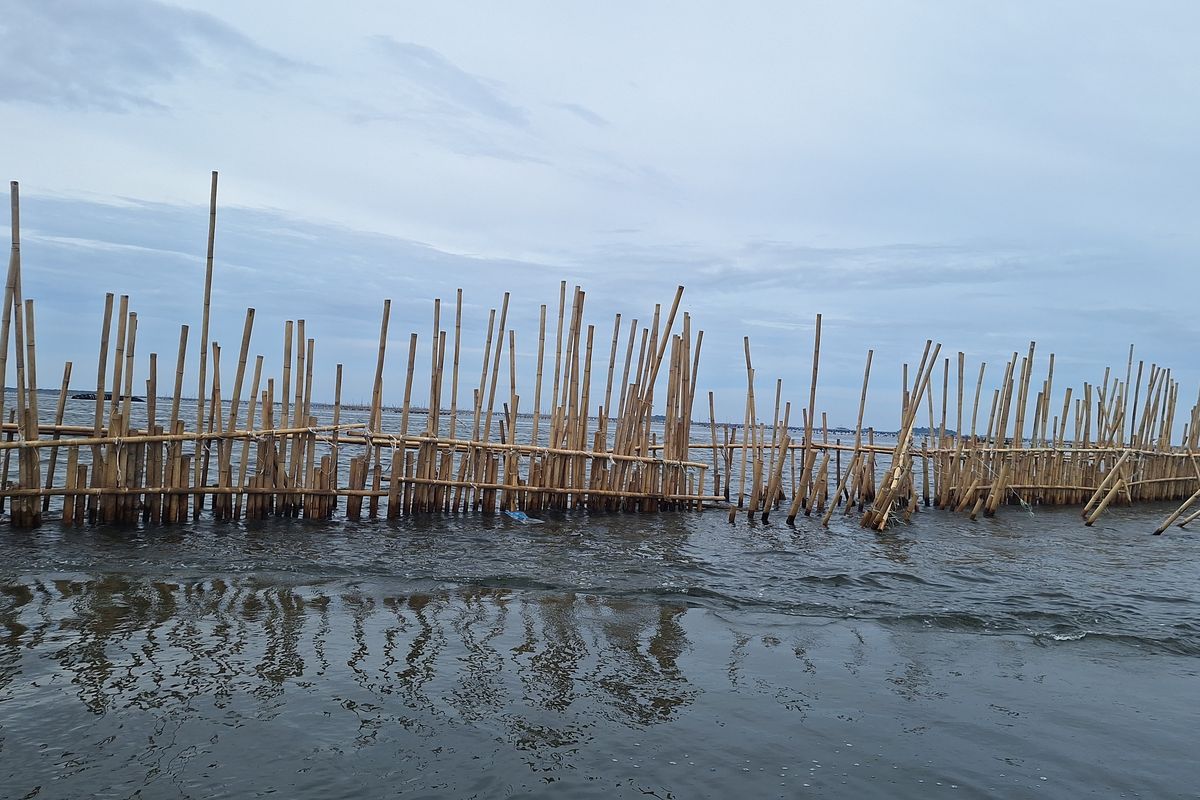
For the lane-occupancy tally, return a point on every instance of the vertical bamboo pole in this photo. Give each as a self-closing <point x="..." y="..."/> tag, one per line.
<point x="749" y="420"/>
<point x="119" y="357"/>
<point x="335" y="451"/>
<point x="537" y="388"/>
<point x="14" y="268"/>
<point x="712" y="427"/>
<point x="202" y="385"/>
<point x="457" y="350"/>
<point x="431" y="410"/>
<point x="23" y="515"/>
<point x="153" y="503"/>
<point x="477" y="399"/>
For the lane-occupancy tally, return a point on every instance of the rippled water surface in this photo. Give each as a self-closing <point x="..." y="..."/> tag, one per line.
<point x="602" y="656"/>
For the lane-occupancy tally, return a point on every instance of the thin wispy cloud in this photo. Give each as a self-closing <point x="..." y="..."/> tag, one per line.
<point x="585" y="114"/>
<point x="114" y="55"/>
<point x="445" y="86"/>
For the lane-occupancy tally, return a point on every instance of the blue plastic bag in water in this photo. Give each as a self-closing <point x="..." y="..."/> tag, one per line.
<point x="522" y="517"/>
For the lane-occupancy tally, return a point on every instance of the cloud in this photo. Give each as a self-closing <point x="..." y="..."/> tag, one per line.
<point x="587" y="115"/>
<point x="113" y="56"/>
<point x="445" y="86"/>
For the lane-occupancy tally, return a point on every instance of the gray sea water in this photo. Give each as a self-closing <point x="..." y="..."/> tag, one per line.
<point x="669" y="656"/>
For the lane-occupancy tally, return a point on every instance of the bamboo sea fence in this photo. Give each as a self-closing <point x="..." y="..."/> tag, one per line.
<point x="621" y="437"/>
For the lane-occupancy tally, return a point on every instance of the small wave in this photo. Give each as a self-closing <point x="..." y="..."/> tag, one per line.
<point x="508" y="582"/>
<point x="1158" y="598"/>
<point x="903" y="577"/>
<point x="1158" y="645"/>
<point x="691" y="594"/>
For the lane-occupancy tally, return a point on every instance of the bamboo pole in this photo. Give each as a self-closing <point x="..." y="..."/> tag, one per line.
<point x="491" y="398"/>
<point x="537" y="387"/>
<point x="457" y="350"/>
<point x="58" y="419"/>
<point x="809" y="453"/>
<point x="852" y="470"/>
<point x="244" y="461"/>
<point x="202" y="384"/>
<point x="14" y="268"/>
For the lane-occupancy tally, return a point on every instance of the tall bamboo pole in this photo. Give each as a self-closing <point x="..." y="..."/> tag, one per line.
<point x="14" y="269"/>
<point x="202" y="383"/>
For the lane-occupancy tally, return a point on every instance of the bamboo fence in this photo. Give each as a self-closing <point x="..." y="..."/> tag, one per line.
<point x="617" y="439"/>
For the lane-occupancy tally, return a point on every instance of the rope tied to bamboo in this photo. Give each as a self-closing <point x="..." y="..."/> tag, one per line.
<point x="1020" y="500"/>
<point x="118" y="443"/>
<point x="327" y="439"/>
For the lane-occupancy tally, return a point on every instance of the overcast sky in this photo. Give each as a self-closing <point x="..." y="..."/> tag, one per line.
<point x="979" y="173"/>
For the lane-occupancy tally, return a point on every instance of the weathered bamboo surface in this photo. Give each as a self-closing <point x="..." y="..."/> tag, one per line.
<point x="617" y="437"/>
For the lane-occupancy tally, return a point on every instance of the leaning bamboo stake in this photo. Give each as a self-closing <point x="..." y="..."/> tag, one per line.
<point x="776" y="479"/>
<point x="1113" y="473"/>
<point x="408" y="382"/>
<point x="625" y="371"/>
<point x="225" y="453"/>
<point x="58" y="418"/>
<point x="9" y="439"/>
<point x="1179" y="512"/>
<point x="809" y="453"/>
<point x="251" y="409"/>
<point x="853" y="469"/>
<point x="612" y="364"/>
<point x="376" y="419"/>
<point x="1108" y="498"/>
<point x="491" y="400"/>
<point x="877" y="516"/>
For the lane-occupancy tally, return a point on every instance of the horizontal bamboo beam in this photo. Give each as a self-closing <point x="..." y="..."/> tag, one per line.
<point x="382" y="440"/>
<point x="29" y="444"/>
<point x="344" y="492"/>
